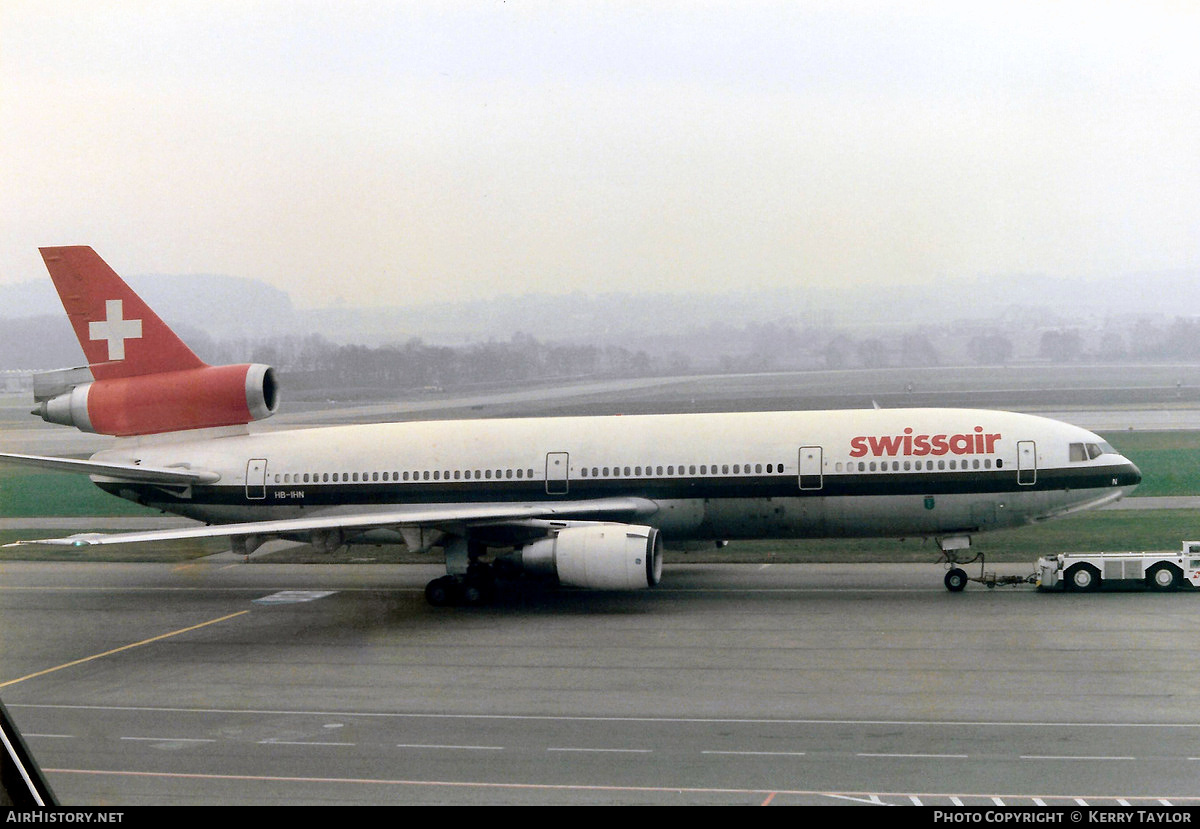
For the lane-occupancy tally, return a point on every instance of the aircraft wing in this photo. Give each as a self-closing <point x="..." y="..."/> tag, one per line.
<point x="171" y="475"/>
<point x="453" y="518"/>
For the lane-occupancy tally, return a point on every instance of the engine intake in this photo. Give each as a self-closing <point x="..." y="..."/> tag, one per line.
<point x="599" y="556"/>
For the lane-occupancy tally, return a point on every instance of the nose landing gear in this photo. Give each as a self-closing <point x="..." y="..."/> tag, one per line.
<point x="954" y="549"/>
<point x="956" y="577"/>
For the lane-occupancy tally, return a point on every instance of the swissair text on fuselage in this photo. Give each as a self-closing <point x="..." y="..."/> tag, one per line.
<point x="910" y="444"/>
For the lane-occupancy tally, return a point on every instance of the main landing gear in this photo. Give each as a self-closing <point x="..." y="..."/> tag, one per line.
<point x="476" y="588"/>
<point x="470" y="581"/>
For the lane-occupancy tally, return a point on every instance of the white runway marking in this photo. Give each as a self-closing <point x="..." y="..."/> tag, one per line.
<point x="606" y="750"/>
<point x="873" y="799"/>
<point x="1069" y="757"/>
<point x="758" y="753"/>
<point x="294" y="596"/>
<point x="452" y="747"/>
<point x="917" y="756"/>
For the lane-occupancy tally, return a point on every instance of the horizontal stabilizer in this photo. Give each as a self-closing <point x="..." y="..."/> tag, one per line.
<point x="175" y="476"/>
<point x="48" y="385"/>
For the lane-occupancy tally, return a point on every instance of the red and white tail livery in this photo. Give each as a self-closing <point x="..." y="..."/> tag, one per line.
<point x="146" y="380"/>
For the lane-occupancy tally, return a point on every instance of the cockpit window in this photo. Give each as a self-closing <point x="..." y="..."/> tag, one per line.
<point x="1080" y="452"/>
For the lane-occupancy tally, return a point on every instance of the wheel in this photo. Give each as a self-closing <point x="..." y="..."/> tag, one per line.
<point x="1162" y="577"/>
<point x="472" y="594"/>
<point x="442" y="592"/>
<point x="956" y="580"/>
<point x="477" y="591"/>
<point x="1083" y="577"/>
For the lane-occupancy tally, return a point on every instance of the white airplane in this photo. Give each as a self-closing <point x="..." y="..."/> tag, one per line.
<point x="588" y="500"/>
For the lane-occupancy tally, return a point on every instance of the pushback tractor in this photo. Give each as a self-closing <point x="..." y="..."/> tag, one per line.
<point x="1089" y="571"/>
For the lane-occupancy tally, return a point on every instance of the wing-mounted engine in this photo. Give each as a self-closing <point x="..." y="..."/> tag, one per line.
<point x="170" y="401"/>
<point x="599" y="556"/>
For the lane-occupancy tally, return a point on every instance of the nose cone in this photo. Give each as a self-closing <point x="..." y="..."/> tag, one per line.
<point x="1128" y="475"/>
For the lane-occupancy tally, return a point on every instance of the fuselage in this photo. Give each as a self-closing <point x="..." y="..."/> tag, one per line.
<point x="864" y="473"/>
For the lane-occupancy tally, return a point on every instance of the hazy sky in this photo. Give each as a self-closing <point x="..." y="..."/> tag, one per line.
<point x="401" y="152"/>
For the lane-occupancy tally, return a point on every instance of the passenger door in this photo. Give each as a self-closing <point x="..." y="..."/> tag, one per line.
<point x="256" y="479"/>
<point x="1026" y="462"/>
<point x="557" y="466"/>
<point x="811" y="467"/>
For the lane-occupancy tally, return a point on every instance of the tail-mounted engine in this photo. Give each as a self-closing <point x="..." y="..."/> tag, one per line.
<point x="170" y="401"/>
<point x="599" y="556"/>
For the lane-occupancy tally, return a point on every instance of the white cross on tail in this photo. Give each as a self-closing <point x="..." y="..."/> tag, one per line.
<point x="115" y="329"/>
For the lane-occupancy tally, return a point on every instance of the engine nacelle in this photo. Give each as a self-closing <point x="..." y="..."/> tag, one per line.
<point x="599" y="556"/>
<point x="171" y="401"/>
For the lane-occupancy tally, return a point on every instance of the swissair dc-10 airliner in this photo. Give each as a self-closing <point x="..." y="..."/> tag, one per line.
<point x="588" y="500"/>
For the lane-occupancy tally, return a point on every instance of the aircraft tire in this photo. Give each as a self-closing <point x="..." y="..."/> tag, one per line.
<point x="955" y="580"/>
<point x="443" y="592"/>
<point x="476" y="591"/>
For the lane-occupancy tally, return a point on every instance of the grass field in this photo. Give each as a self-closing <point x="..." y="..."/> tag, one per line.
<point x="1170" y="461"/>
<point x="27" y="493"/>
<point x="1170" y="464"/>
<point x="1112" y="531"/>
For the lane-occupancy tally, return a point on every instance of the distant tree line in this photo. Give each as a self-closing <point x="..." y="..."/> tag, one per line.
<point x="314" y="362"/>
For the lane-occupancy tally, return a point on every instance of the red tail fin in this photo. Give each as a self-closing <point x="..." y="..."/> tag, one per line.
<point x="120" y="335"/>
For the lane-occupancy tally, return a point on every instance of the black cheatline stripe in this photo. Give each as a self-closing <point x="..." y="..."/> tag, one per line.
<point x="777" y="486"/>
